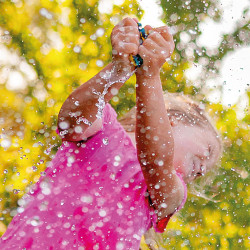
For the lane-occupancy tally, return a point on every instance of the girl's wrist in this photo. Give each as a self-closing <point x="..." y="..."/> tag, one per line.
<point x="145" y="72"/>
<point x="122" y="67"/>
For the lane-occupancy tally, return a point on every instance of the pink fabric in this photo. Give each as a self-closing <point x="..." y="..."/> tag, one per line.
<point x="93" y="196"/>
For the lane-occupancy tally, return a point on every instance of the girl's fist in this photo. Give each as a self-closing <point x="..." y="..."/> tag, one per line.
<point x="125" y="39"/>
<point x="156" y="49"/>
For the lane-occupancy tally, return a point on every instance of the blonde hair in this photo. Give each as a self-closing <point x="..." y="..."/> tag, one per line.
<point x="187" y="111"/>
<point x="179" y="107"/>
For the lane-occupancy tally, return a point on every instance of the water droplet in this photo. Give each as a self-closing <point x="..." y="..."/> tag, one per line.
<point x="87" y="199"/>
<point x="164" y="205"/>
<point x="105" y="141"/>
<point x="99" y="63"/>
<point x="102" y="213"/>
<point x="119" y="246"/>
<point x="43" y="173"/>
<point x="5" y="171"/>
<point x="100" y="32"/>
<point x="45" y="13"/>
<point x="82" y="20"/>
<point x="193" y="32"/>
<point x="66" y="225"/>
<point x="156" y="138"/>
<point x="239" y="142"/>
<point x="35" y="221"/>
<point x="16" y="191"/>
<point x="160" y="163"/>
<point x="117" y="158"/>
<point x="45" y="188"/>
<point x="71" y="159"/>
<point x="77" y="49"/>
<point x="60" y="214"/>
<point x="6" y="143"/>
<point x="34" y="168"/>
<point x="64" y="125"/>
<point x="47" y="151"/>
<point x="116" y="163"/>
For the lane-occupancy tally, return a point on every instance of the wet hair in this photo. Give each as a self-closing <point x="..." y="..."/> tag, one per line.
<point x="179" y="107"/>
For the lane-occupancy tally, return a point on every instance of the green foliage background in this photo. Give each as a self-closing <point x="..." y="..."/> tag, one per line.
<point x="64" y="43"/>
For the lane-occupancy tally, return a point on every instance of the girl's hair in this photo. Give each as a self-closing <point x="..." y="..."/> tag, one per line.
<point x="182" y="109"/>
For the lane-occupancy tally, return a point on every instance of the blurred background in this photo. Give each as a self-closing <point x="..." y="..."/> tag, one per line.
<point x="50" y="47"/>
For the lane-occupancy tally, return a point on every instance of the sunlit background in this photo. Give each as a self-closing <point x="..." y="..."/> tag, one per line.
<point x="234" y="77"/>
<point x="48" y="48"/>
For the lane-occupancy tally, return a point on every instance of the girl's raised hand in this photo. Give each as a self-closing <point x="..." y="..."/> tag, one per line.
<point x="155" y="50"/>
<point x="125" y="41"/>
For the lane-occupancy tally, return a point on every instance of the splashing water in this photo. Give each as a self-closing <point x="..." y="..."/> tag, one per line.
<point x="110" y="78"/>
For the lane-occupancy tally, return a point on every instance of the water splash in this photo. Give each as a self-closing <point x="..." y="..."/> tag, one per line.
<point x="105" y="141"/>
<point x="111" y="78"/>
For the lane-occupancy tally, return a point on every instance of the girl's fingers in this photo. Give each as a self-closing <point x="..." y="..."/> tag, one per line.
<point x="145" y="53"/>
<point x="164" y="45"/>
<point x="169" y="38"/>
<point x="136" y="20"/>
<point x="157" y="38"/>
<point x="125" y="30"/>
<point x="126" y="38"/>
<point x="164" y="31"/>
<point x="150" y="44"/>
<point x="127" y="22"/>
<point x="151" y="50"/>
<point x="127" y="48"/>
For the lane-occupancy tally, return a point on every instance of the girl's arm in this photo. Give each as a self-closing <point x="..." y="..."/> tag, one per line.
<point x="155" y="143"/>
<point x="77" y="118"/>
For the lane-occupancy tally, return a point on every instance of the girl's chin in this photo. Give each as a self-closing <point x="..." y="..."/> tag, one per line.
<point x="179" y="172"/>
<point x="186" y="177"/>
<point x="183" y="175"/>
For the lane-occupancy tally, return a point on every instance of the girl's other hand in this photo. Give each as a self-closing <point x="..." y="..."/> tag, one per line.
<point x="125" y="41"/>
<point x="155" y="50"/>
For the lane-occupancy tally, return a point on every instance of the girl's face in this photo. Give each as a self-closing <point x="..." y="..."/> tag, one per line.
<point x="196" y="150"/>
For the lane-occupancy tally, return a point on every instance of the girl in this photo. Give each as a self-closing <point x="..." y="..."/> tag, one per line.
<point x="106" y="187"/>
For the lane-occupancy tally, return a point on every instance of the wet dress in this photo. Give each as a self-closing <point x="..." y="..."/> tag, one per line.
<point x="93" y="196"/>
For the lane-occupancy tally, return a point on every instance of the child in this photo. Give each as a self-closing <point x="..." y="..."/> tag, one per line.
<point x="101" y="191"/>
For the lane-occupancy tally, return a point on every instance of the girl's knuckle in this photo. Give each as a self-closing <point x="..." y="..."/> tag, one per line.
<point x="128" y="21"/>
<point x="155" y="34"/>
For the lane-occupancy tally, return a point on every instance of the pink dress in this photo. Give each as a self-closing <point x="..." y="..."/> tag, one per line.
<point x="93" y="196"/>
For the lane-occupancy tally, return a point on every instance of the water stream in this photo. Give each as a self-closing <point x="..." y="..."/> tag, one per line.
<point x="110" y="77"/>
